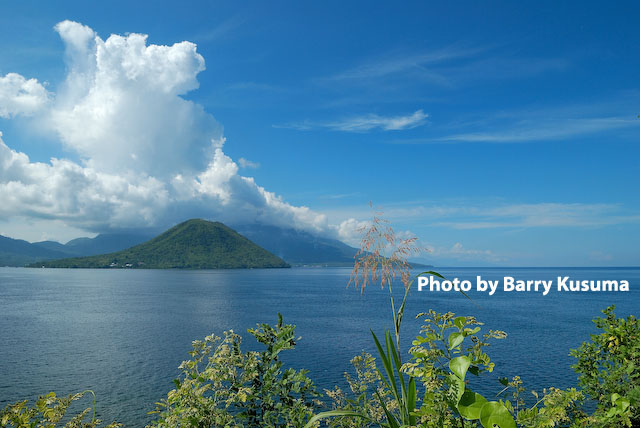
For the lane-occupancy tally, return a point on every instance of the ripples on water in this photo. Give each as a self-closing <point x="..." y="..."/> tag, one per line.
<point x="123" y="333"/>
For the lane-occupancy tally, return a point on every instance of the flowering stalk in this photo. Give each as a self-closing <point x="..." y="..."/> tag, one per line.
<point x="371" y="265"/>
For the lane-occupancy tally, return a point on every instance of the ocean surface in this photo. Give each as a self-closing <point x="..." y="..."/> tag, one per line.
<point x="123" y="333"/>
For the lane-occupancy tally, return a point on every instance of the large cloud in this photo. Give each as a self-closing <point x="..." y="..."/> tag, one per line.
<point x="149" y="158"/>
<point x="120" y="107"/>
<point x="81" y="196"/>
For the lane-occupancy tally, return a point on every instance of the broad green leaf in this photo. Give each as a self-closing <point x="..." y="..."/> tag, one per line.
<point x="455" y="339"/>
<point x="460" y="365"/>
<point x="470" y="331"/>
<point x="494" y="413"/>
<point x="459" y="322"/>
<point x="471" y="404"/>
<point x="458" y="385"/>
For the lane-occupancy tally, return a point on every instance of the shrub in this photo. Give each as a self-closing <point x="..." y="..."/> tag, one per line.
<point x="49" y="411"/>
<point x="222" y="386"/>
<point x="609" y="369"/>
<point x="361" y="398"/>
<point x="447" y="348"/>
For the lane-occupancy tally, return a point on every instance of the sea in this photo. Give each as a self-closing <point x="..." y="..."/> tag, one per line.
<point x="123" y="333"/>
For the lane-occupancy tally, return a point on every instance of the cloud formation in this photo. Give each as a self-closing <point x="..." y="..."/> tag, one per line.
<point x="78" y="195"/>
<point x="544" y="130"/>
<point x="447" y="67"/>
<point x="120" y="106"/>
<point x="20" y="96"/>
<point x="246" y="163"/>
<point x="459" y="252"/>
<point x="148" y="157"/>
<point x="365" y="123"/>
<point x="470" y="214"/>
<point x="373" y="121"/>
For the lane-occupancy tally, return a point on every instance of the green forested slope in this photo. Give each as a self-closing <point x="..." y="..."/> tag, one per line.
<point x="194" y="244"/>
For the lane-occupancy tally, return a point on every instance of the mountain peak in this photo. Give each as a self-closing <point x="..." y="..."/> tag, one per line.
<point x="193" y="244"/>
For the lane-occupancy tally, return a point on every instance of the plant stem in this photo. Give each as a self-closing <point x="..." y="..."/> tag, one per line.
<point x="396" y="327"/>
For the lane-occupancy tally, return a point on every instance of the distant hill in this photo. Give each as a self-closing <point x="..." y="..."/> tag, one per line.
<point x="295" y="247"/>
<point x="299" y="247"/>
<point x="56" y="246"/>
<point x="101" y="244"/>
<point x="106" y="243"/>
<point x="16" y="252"/>
<point x="194" y="244"/>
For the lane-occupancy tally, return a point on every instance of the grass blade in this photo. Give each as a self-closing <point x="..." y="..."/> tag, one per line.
<point x="386" y="363"/>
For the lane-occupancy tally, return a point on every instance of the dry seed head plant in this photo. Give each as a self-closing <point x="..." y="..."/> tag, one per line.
<point x="372" y="265"/>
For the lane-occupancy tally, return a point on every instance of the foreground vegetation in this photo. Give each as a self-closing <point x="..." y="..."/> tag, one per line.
<point x="221" y="385"/>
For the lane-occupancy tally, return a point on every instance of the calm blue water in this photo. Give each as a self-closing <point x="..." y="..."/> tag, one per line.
<point x="123" y="333"/>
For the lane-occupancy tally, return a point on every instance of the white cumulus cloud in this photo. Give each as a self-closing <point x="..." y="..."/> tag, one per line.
<point x="120" y="107"/>
<point x="21" y="96"/>
<point x="79" y="195"/>
<point x="350" y="231"/>
<point x="148" y="157"/>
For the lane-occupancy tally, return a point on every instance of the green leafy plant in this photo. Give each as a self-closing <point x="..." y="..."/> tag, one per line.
<point x="609" y="369"/>
<point x="365" y="389"/>
<point x="222" y="386"/>
<point x="555" y="408"/>
<point x="50" y="411"/>
<point x="447" y="348"/>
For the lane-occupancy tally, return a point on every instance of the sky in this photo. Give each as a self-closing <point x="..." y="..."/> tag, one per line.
<point x="498" y="133"/>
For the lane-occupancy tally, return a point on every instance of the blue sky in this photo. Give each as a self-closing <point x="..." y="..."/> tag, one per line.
<point x="499" y="133"/>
